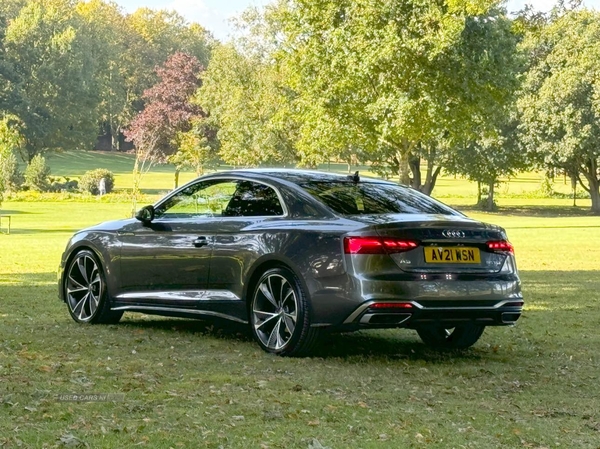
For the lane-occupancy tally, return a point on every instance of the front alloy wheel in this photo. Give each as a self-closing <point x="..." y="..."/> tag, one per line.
<point x="85" y="291"/>
<point x="279" y="314"/>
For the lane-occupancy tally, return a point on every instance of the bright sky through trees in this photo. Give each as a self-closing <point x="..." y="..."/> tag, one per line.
<point x="215" y="14"/>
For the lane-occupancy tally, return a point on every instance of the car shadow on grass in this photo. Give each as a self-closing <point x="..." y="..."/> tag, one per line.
<point x="398" y="344"/>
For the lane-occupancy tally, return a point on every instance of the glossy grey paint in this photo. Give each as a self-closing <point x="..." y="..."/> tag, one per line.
<point x="142" y="261"/>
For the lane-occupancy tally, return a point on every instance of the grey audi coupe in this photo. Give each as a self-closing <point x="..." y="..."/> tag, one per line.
<point x="294" y="254"/>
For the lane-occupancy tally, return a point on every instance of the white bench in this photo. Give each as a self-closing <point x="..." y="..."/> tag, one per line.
<point x="8" y="219"/>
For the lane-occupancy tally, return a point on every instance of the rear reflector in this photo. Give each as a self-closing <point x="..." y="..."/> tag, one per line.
<point x="391" y="305"/>
<point x="377" y="245"/>
<point x="501" y="246"/>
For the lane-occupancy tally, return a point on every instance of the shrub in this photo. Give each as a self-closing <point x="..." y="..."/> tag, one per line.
<point x="10" y="175"/>
<point x="89" y="181"/>
<point x="546" y="187"/>
<point x="37" y="174"/>
<point x="66" y="186"/>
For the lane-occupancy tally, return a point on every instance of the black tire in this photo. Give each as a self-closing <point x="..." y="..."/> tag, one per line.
<point x="267" y="317"/>
<point x="85" y="291"/>
<point x="460" y="337"/>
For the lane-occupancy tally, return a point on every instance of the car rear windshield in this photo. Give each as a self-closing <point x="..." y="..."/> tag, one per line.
<point x="362" y="198"/>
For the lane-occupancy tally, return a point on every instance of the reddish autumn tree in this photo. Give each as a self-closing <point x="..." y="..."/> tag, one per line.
<point x="168" y="111"/>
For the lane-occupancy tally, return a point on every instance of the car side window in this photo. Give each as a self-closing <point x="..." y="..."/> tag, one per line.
<point x="252" y="199"/>
<point x="203" y="199"/>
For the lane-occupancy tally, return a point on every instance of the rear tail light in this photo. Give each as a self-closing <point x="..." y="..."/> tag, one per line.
<point x="500" y="246"/>
<point x="377" y="245"/>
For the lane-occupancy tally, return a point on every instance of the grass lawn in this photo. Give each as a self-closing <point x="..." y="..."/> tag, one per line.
<point x="196" y="384"/>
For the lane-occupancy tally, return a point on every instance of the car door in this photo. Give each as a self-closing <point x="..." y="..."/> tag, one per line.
<point x="168" y="260"/>
<point x="241" y="236"/>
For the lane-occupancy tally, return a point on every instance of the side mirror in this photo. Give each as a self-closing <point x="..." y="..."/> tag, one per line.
<point x="145" y="215"/>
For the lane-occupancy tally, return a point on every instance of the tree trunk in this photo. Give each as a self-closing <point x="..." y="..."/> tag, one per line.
<point x="136" y="186"/>
<point x="591" y="173"/>
<point x="403" y="169"/>
<point x="176" y="179"/>
<point x="490" y="200"/>
<point x="114" y="137"/>
<point x="414" y="163"/>
<point x="431" y="177"/>
<point x="595" y="195"/>
<point x="478" y="193"/>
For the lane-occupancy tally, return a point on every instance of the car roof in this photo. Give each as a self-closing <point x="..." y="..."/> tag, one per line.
<point x="297" y="176"/>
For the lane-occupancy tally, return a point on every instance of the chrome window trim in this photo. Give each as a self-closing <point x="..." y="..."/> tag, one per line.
<point x="230" y="178"/>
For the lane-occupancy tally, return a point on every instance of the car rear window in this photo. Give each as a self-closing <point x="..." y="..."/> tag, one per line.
<point x="362" y="198"/>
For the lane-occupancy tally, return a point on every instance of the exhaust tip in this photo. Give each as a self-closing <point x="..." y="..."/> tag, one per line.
<point x="510" y="317"/>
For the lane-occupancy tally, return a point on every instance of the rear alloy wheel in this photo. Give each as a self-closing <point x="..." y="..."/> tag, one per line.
<point x="459" y="337"/>
<point x="85" y="291"/>
<point x="279" y="314"/>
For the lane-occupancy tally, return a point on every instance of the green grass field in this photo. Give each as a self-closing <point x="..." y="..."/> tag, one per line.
<point x="160" y="180"/>
<point x="206" y="384"/>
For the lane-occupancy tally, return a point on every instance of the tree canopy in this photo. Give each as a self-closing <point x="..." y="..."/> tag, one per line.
<point x="71" y="70"/>
<point x="560" y="103"/>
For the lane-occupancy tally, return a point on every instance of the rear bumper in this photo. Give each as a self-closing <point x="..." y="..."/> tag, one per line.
<point x="412" y="314"/>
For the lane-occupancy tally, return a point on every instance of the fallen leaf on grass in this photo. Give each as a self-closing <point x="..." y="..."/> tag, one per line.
<point x="316" y="444"/>
<point x="70" y="440"/>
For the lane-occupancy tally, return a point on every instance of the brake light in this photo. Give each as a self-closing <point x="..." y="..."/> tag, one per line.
<point x="377" y="245"/>
<point x="500" y="246"/>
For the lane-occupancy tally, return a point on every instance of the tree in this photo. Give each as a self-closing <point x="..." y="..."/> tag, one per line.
<point x="37" y="174"/>
<point x="11" y="140"/>
<point x="47" y="49"/>
<point x="488" y="158"/>
<point x="168" y="111"/>
<point x="389" y="77"/>
<point x="154" y="36"/>
<point x="560" y="102"/>
<point x="196" y="148"/>
<point x="110" y="38"/>
<point x="246" y="99"/>
<point x="9" y="81"/>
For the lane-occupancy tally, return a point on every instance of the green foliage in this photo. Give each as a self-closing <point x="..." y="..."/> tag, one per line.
<point x="246" y="98"/>
<point x="489" y="157"/>
<point x="63" y="184"/>
<point x="196" y="148"/>
<point x="11" y="141"/>
<point x="37" y="174"/>
<point x="560" y="102"/>
<point x="69" y="67"/>
<point x="11" y="176"/>
<point x="386" y="76"/>
<point x="49" y="49"/>
<point x="546" y="186"/>
<point x="91" y="179"/>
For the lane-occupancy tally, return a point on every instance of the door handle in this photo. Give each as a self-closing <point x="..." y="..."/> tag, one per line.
<point x="200" y="242"/>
